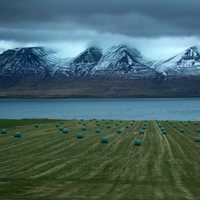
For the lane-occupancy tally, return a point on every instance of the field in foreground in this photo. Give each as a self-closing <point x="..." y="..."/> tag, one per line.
<point x="108" y="160"/>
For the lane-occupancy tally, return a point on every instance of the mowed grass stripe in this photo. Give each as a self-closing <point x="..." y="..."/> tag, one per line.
<point x="46" y="164"/>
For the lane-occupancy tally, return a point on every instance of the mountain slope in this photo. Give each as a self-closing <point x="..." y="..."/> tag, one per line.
<point x="81" y="65"/>
<point x="123" y="61"/>
<point x="31" y="63"/>
<point x="184" y="64"/>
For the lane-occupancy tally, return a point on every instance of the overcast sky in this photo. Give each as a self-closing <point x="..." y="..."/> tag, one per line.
<point x="158" y="28"/>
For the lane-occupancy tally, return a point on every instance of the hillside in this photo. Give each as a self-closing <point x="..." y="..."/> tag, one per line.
<point x="121" y="71"/>
<point x="49" y="159"/>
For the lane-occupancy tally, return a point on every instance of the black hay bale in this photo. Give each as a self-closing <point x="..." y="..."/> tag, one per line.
<point x="3" y="131"/>
<point x="104" y="140"/>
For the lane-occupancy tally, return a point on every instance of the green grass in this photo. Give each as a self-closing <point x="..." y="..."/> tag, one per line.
<point x="141" y="163"/>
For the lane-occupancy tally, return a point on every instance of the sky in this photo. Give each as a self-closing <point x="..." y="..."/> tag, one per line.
<point x="158" y="28"/>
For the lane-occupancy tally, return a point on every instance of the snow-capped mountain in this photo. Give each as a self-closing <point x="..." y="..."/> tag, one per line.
<point x="123" y="61"/>
<point x="82" y="65"/>
<point x="23" y="63"/>
<point x="187" y="63"/>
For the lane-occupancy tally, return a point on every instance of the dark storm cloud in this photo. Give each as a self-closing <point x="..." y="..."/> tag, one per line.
<point x="34" y="20"/>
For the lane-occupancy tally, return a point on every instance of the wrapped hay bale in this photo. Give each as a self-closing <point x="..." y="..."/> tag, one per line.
<point x="141" y="131"/>
<point x="104" y="140"/>
<point x="65" y="130"/>
<point x="79" y="136"/>
<point x="119" y="131"/>
<point x="196" y="139"/>
<point x="98" y="130"/>
<point x="83" y="128"/>
<point x="137" y="142"/>
<point x="36" y="126"/>
<point x="198" y="130"/>
<point x="18" y="135"/>
<point x="3" y="131"/>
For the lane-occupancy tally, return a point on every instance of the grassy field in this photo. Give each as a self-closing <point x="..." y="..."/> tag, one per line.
<point x="108" y="160"/>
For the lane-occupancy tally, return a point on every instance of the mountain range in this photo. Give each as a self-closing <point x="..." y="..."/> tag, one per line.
<point x="34" y="67"/>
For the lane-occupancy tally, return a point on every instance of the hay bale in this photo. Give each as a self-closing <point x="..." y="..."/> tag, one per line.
<point x="3" y="131"/>
<point x="18" y="135"/>
<point x="60" y="129"/>
<point x="137" y="142"/>
<point x="119" y="131"/>
<point x="36" y="126"/>
<point x="83" y="128"/>
<point x="98" y="130"/>
<point x="196" y="139"/>
<point x="104" y="140"/>
<point x="164" y="132"/>
<point x="79" y="136"/>
<point x="198" y="130"/>
<point x="65" y="130"/>
<point x="141" y="131"/>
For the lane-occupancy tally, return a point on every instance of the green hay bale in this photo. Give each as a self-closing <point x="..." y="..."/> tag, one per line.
<point x="79" y="136"/>
<point x="83" y="128"/>
<point x="4" y="131"/>
<point x="119" y="131"/>
<point x="137" y="142"/>
<point x="164" y="132"/>
<point x="60" y="129"/>
<point x="18" y="135"/>
<point x="104" y="140"/>
<point x="36" y="126"/>
<point x="182" y="131"/>
<point x="198" y="130"/>
<point x="98" y="130"/>
<point x="141" y="131"/>
<point x="65" y="130"/>
<point x="196" y="139"/>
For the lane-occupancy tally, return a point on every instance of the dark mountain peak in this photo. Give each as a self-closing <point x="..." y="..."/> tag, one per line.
<point x="91" y="55"/>
<point x="26" y="63"/>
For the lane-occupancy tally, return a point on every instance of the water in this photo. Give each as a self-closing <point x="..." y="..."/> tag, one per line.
<point x="137" y="109"/>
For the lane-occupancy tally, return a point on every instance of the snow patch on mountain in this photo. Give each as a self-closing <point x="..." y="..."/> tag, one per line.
<point x="122" y="60"/>
<point x="183" y="64"/>
<point x="36" y="62"/>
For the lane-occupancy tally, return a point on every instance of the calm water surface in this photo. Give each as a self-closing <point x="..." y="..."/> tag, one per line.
<point x="138" y="109"/>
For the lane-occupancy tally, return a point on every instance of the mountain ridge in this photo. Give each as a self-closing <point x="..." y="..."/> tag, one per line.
<point x="35" y="65"/>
